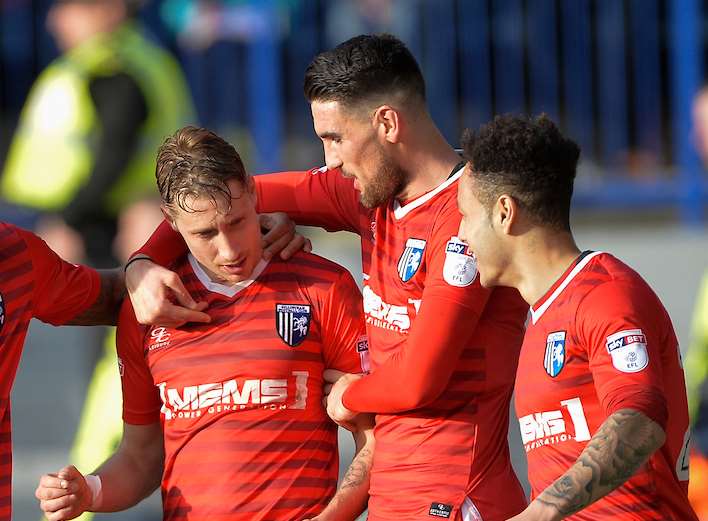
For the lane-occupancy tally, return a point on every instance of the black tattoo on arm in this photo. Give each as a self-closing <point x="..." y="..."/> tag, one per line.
<point x="353" y="493"/>
<point x="358" y="471"/>
<point x="622" y="444"/>
<point x="104" y="311"/>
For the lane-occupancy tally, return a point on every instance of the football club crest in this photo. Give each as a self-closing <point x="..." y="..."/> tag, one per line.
<point x="411" y="259"/>
<point x="460" y="268"/>
<point x="554" y="359"/>
<point x="292" y="321"/>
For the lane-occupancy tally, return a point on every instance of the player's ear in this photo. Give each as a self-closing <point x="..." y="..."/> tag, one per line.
<point x="168" y="217"/>
<point x="251" y="189"/>
<point x="387" y="121"/>
<point x="506" y="213"/>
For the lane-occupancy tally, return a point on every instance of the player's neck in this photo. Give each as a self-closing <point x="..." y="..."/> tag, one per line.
<point x="428" y="158"/>
<point x="543" y="260"/>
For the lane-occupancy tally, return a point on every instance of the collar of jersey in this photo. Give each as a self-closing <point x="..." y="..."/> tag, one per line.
<point x="536" y="315"/>
<point x="223" y="289"/>
<point x="399" y="212"/>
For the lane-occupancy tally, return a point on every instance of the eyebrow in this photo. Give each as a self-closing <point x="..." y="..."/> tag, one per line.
<point x="330" y="135"/>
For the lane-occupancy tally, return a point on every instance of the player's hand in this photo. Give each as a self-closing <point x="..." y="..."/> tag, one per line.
<point x="64" y="495"/>
<point x="335" y="408"/>
<point x="281" y="237"/>
<point x="152" y="288"/>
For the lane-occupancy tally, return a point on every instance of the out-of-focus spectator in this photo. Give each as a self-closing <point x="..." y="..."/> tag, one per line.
<point x="198" y="24"/>
<point x="348" y="18"/>
<point x="696" y="367"/>
<point x="700" y="123"/>
<point x="86" y="142"/>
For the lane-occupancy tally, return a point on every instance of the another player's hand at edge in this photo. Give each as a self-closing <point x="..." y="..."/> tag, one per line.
<point x="64" y="495"/>
<point x="281" y="237"/>
<point x="335" y="408"/>
<point x="151" y="288"/>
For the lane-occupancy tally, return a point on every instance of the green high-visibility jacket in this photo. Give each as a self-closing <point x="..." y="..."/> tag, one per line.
<point x="53" y="152"/>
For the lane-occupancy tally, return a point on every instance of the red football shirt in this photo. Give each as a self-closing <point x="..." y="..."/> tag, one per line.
<point x="444" y="350"/>
<point x="599" y="341"/>
<point x="246" y="435"/>
<point x="421" y="290"/>
<point x="34" y="283"/>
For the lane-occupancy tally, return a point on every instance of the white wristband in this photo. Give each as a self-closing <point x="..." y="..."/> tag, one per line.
<point x="94" y="484"/>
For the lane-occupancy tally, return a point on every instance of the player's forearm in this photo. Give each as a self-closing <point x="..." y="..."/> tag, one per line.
<point x="420" y="372"/>
<point x="128" y="477"/>
<point x="623" y="443"/>
<point x="104" y="310"/>
<point x="353" y="493"/>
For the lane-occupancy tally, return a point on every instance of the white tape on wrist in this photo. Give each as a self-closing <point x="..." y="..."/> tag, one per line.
<point x="94" y="484"/>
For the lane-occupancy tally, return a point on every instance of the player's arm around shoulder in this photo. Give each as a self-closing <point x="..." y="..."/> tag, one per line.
<point x="622" y="444"/>
<point x="353" y="493"/>
<point x="127" y="477"/>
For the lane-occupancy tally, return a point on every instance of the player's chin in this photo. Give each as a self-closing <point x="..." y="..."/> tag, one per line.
<point x="487" y="281"/>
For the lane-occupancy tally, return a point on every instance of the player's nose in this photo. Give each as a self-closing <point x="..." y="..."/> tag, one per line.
<point x="230" y="249"/>
<point x="461" y="231"/>
<point x="332" y="157"/>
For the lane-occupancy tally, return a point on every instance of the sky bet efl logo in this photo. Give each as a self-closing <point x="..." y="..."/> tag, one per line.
<point x="628" y="349"/>
<point x="460" y="268"/>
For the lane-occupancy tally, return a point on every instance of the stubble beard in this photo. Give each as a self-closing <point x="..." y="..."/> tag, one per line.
<point x="386" y="184"/>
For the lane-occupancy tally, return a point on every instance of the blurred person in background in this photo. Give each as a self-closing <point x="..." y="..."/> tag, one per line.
<point x="348" y="18"/>
<point x="696" y="366"/>
<point x="87" y="135"/>
<point x="699" y="114"/>
<point x="101" y="426"/>
<point x="697" y="384"/>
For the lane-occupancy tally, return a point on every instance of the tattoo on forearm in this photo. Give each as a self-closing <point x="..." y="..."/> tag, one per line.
<point x="104" y="310"/>
<point x="358" y="471"/>
<point x="623" y="443"/>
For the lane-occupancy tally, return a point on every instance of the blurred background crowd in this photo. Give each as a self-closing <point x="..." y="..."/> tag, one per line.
<point x="89" y="88"/>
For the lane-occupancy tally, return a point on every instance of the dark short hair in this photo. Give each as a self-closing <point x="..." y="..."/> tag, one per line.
<point x="362" y="68"/>
<point x="195" y="162"/>
<point x="528" y="159"/>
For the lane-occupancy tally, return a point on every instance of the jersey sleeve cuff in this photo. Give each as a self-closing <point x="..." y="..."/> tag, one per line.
<point x="140" y="418"/>
<point x="650" y="402"/>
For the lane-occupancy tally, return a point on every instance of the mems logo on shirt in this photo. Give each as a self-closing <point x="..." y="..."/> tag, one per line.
<point x="384" y="315"/>
<point x="193" y="401"/>
<point x="628" y="349"/>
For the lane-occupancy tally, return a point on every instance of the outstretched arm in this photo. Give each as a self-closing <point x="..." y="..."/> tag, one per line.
<point x="622" y="444"/>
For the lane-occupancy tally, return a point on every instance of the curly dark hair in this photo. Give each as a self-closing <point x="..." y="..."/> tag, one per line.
<point x="362" y="68"/>
<point x="195" y="162"/>
<point x="528" y="159"/>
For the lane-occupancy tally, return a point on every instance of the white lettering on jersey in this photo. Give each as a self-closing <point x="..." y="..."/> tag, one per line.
<point x="629" y="350"/>
<point x="383" y="315"/>
<point x="231" y="395"/>
<point x="549" y="427"/>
